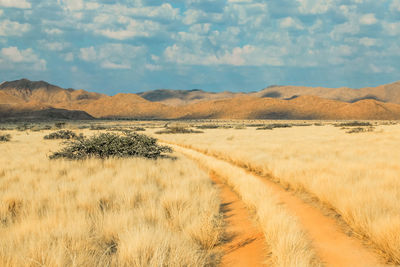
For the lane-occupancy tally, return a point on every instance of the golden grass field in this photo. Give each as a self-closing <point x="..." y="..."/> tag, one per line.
<point x="117" y="212"/>
<point x="357" y="175"/>
<point x="166" y="212"/>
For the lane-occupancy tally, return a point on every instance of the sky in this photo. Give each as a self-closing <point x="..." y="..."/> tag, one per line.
<point x="216" y="45"/>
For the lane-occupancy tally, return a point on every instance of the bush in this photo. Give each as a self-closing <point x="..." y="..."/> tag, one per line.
<point x="353" y="124"/>
<point x="360" y="130"/>
<point x="59" y="125"/>
<point x="97" y="127"/>
<point x="208" y="126"/>
<point x="63" y="134"/>
<point x="177" y="130"/>
<point x="274" y="125"/>
<point x="107" y="145"/>
<point x="5" y="137"/>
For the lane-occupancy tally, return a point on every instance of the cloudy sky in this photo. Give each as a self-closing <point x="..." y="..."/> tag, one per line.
<point x="137" y="45"/>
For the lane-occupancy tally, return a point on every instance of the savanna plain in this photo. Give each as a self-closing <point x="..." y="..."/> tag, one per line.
<point x="320" y="193"/>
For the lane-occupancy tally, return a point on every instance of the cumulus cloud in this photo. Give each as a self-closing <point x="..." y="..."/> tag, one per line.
<point x="13" y="28"/>
<point x="289" y="22"/>
<point x="53" y="31"/>
<point x="112" y="56"/>
<point x="368" y="19"/>
<point x="15" y="3"/>
<point x="315" y="6"/>
<point x="13" y="55"/>
<point x="395" y="5"/>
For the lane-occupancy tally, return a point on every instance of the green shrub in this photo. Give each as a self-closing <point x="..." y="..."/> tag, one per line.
<point x="208" y="126"/>
<point x="107" y="145"/>
<point x="274" y="125"/>
<point x="63" y="134"/>
<point x="353" y="124"/>
<point x="5" y="137"/>
<point x="177" y="130"/>
<point x="59" y="125"/>
<point x="360" y="130"/>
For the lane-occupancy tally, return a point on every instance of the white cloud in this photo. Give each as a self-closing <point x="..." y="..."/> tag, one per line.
<point x="69" y="57"/>
<point x="53" y="46"/>
<point x="153" y="67"/>
<point x="368" y="41"/>
<point x="395" y="6"/>
<point x="289" y="22"/>
<point x="88" y="54"/>
<point x="13" y="28"/>
<point x="381" y="69"/>
<point x="350" y="27"/>
<point x="1" y="12"/>
<point x="13" y="55"/>
<point x="53" y="31"/>
<point x="15" y="3"/>
<point x="121" y="27"/>
<point x="392" y="29"/>
<point x="247" y="55"/>
<point x="368" y="19"/>
<point x="112" y="56"/>
<point x="110" y="65"/>
<point x="315" y="6"/>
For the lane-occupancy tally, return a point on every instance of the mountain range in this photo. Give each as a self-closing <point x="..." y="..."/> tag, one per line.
<point x="39" y="99"/>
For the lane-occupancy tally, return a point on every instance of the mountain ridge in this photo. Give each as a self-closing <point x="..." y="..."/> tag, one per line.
<point x="275" y="102"/>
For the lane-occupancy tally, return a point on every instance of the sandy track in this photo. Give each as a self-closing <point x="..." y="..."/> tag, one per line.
<point x="332" y="246"/>
<point x="245" y="244"/>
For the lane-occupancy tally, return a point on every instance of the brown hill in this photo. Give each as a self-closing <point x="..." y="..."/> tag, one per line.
<point x="23" y="97"/>
<point x="384" y="93"/>
<point x="183" y="97"/>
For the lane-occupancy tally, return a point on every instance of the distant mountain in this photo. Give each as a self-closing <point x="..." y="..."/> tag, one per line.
<point x="183" y="97"/>
<point x="24" y="98"/>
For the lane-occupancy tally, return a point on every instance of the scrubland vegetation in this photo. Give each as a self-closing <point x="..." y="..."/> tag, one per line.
<point x="112" y="212"/>
<point x="357" y="175"/>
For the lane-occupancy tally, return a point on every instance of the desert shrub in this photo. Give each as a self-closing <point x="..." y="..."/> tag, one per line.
<point x="353" y="124"/>
<point x="5" y="137"/>
<point x="83" y="127"/>
<point x="59" y="125"/>
<point x="107" y="145"/>
<point x="63" y="134"/>
<point x="23" y="127"/>
<point x="360" y="130"/>
<point x="240" y="127"/>
<point x="177" y="130"/>
<point x="255" y="125"/>
<point x="38" y="128"/>
<point x="274" y="125"/>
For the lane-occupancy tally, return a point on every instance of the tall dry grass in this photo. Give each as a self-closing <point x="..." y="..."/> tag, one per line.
<point x="117" y="212"/>
<point x="356" y="174"/>
<point x="287" y="242"/>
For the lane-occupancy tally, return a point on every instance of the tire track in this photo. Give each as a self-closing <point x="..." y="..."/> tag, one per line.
<point x="332" y="246"/>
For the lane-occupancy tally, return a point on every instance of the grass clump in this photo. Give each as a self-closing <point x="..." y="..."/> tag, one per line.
<point x="275" y="125"/>
<point x="360" y="130"/>
<point x="63" y="134"/>
<point x="5" y="137"/>
<point x="354" y="124"/>
<point x="106" y="145"/>
<point x="177" y="130"/>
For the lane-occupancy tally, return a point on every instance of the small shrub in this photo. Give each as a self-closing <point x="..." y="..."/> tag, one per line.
<point x="353" y="124"/>
<point x="240" y="127"/>
<point x="177" y="130"/>
<point x="5" y="137"/>
<point x="274" y="125"/>
<point x="360" y="130"/>
<point x="107" y="145"/>
<point x="63" y="134"/>
<point x="59" y="125"/>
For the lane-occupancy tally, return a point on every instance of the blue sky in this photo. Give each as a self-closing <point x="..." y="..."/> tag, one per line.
<point x="216" y="45"/>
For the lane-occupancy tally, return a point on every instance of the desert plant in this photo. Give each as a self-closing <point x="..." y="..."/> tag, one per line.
<point x="63" y="134"/>
<point x="177" y="130"/>
<point x="59" y="125"/>
<point x="208" y="126"/>
<point x="274" y="125"/>
<point x="353" y="124"/>
<point x="97" y="127"/>
<point x="360" y="130"/>
<point x="5" y="137"/>
<point x="106" y="145"/>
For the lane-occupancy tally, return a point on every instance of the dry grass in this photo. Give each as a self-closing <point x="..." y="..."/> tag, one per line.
<point x="357" y="175"/>
<point x="287" y="243"/>
<point x="116" y="212"/>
